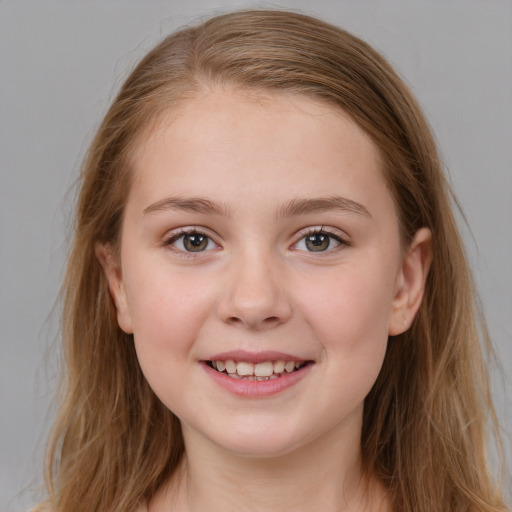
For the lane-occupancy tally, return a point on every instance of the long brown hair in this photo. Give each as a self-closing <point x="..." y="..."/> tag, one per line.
<point x="427" y="416"/>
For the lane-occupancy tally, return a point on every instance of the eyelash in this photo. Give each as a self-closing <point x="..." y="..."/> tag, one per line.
<point x="303" y="235"/>
<point x="309" y="232"/>
<point x="183" y="232"/>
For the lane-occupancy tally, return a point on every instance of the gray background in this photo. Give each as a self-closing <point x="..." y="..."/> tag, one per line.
<point x="61" y="62"/>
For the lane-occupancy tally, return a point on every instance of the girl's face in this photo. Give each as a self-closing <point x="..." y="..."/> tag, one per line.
<point x="261" y="270"/>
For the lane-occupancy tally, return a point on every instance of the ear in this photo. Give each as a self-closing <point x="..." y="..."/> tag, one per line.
<point x="410" y="282"/>
<point x="112" y="269"/>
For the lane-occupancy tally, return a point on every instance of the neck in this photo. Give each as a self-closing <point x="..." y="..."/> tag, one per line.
<point x="325" y="475"/>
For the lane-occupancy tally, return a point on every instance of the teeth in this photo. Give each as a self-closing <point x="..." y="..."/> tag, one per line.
<point x="230" y="366"/>
<point x="259" y="371"/>
<point x="244" y="369"/>
<point x="289" y="366"/>
<point x="263" y="369"/>
<point x="279" y="366"/>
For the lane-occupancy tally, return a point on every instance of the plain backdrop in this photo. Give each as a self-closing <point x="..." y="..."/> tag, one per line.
<point x="62" y="61"/>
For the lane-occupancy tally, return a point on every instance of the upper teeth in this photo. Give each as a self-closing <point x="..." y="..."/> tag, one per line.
<point x="264" y="369"/>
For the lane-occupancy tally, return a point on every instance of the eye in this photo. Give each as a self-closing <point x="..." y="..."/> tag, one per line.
<point x="191" y="241"/>
<point x="319" y="241"/>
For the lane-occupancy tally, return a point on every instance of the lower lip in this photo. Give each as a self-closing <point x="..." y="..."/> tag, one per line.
<point x="255" y="388"/>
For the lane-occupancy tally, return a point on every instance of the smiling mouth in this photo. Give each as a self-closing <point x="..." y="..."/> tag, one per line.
<point x="267" y="370"/>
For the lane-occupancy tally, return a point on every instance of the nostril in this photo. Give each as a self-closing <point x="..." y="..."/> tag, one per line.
<point x="233" y="320"/>
<point x="268" y="322"/>
<point x="271" y="320"/>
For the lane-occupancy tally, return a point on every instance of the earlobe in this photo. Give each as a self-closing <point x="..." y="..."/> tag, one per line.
<point x="112" y="270"/>
<point x="410" y="283"/>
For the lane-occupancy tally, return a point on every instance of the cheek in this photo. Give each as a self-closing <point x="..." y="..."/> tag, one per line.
<point x="349" y="309"/>
<point x="167" y="313"/>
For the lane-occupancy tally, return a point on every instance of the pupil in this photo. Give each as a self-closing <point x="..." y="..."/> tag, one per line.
<point x="317" y="242"/>
<point x="195" y="243"/>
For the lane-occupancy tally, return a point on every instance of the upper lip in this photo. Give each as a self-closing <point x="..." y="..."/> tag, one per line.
<point x="254" y="357"/>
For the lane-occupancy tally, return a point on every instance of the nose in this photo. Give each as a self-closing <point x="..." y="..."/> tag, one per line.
<point x="255" y="295"/>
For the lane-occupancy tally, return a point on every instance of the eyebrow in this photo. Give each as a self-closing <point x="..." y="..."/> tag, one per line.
<point x="297" y="206"/>
<point x="304" y="206"/>
<point x="189" y="204"/>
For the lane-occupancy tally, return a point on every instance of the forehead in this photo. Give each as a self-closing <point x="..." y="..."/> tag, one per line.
<point x="280" y="144"/>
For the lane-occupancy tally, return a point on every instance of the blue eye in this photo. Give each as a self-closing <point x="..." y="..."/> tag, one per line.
<point x="192" y="241"/>
<point x="318" y="241"/>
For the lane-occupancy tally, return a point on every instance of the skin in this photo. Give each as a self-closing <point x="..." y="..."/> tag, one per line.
<point x="257" y="287"/>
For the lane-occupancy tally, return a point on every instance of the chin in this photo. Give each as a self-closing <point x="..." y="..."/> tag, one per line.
<point x="262" y="444"/>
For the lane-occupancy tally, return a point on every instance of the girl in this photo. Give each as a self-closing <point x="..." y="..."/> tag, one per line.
<point x="267" y="304"/>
